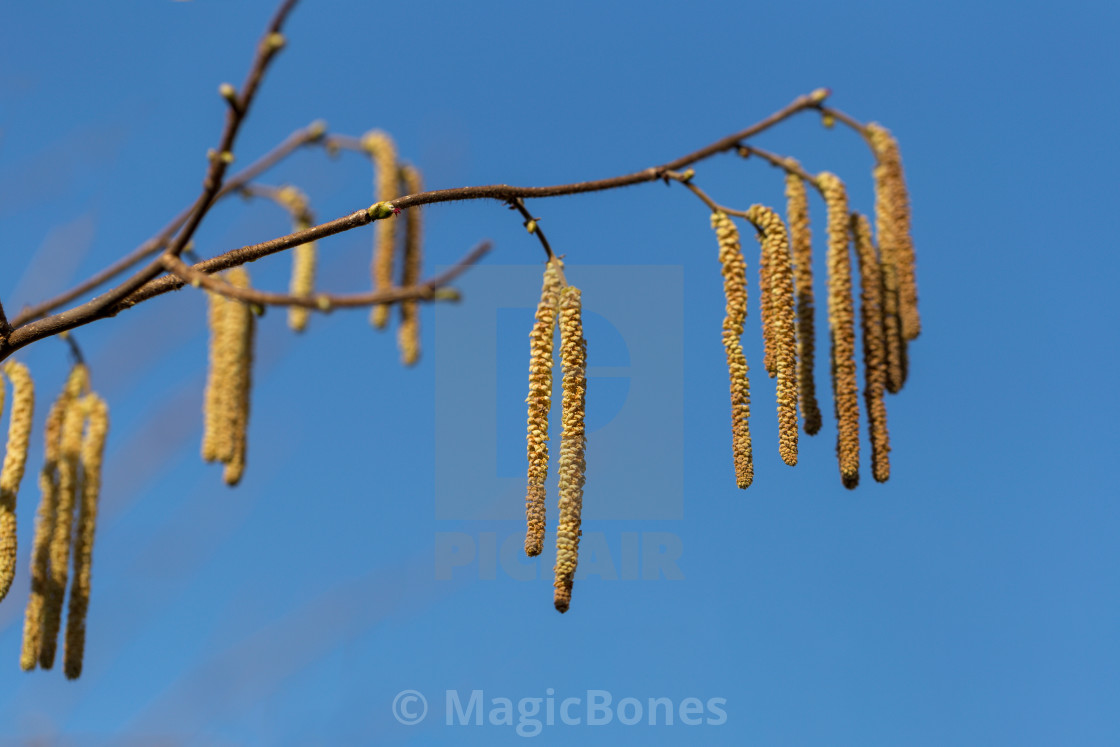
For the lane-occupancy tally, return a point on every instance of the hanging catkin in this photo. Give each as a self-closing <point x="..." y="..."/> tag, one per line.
<point x="766" y="314"/>
<point x="15" y="459"/>
<point x="775" y="246"/>
<point x="44" y="525"/>
<point x="892" y="220"/>
<point x="892" y="329"/>
<point x="573" y="357"/>
<point x="92" y="452"/>
<point x="241" y="327"/>
<point x="733" y="268"/>
<point x="874" y="347"/>
<point x="841" y="323"/>
<point x="384" y="154"/>
<point x="540" y="402"/>
<point x="408" y="336"/>
<point x="304" y="256"/>
<point x="226" y="415"/>
<point x="801" y="247"/>
<point x="69" y="482"/>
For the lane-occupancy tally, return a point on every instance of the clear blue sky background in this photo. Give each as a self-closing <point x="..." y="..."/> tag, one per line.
<point x="974" y="599"/>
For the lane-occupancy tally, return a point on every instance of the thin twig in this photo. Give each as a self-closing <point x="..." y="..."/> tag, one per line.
<point x="111" y="303"/>
<point x="425" y="291"/>
<point x="686" y="179"/>
<point x="850" y="121"/>
<point x="303" y="136"/>
<point x="531" y="224"/>
<point x="219" y="161"/>
<point x="786" y="164"/>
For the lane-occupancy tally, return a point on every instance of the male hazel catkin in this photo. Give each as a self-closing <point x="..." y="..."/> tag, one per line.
<point x="841" y="324"/>
<point x="801" y="249"/>
<point x="775" y="247"/>
<point x="734" y="270"/>
<point x="15" y="459"/>
<point x="573" y="442"/>
<point x="540" y="402"/>
<point x="383" y="152"/>
<point x="874" y="347"/>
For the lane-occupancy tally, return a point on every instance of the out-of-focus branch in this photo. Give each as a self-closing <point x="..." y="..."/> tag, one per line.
<point x="425" y="291"/>
<point x="303" y="136"/>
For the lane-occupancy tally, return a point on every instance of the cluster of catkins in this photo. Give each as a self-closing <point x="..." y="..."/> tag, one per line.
<point x="560" y="305"/>
<point x="231" y="321"/>
<point x="70" y="482"/>
<point x="888" y="312"/>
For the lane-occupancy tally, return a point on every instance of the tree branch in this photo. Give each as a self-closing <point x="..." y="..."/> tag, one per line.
<point x="425" y="291"/>
<point x="145" y="285"/>
<point x="303" y="136"/>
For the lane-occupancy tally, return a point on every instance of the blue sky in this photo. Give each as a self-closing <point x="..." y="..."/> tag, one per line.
<point x="973" y="599"/>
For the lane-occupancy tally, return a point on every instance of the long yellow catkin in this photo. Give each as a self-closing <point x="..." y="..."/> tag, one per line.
<point x="44" y="530"/>
<point x="775" y="245"/>
<point x="408" y="336"/>
<point x="540" y="403"/>
<point x="573" y="441"/>
<point x="841" y="323"/>
<point x="801" y="246"/>
<point x="92" y="453"/>
<point x="69" y="480"/>
<point x="892" y="217"/>
<point x="15" y="459"/>
<point x="892" y="329"/>
<point x="304" y="256"/>
<point x="733" y="268"/>
<point x="874" y="347"/>
<point x="383" y="151"/>
<point x="241" y="325"/>
<point x="766" y="313"/>
<point x="215" y="438"/>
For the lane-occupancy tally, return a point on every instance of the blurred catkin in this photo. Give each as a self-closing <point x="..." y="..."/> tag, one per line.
<point x="892" y="221"/>
<point x="892" y="329"/>
<point x="841" y="323"/>
<point x="226" y="404"/>
<point x="15" y="459"/>
<point x="766" y="313"/>
<point x="69" y="485"/>
<point x="240" y="324"/>
<point x="801" y="246"/>
<point x="304" y="256"/>
<point x="383" y="152"/>
<point x="733" y="268"/>
<point x="573" y="357"/>
<point x="215" y="439"/>
<point x="775" y="246"/>
<point x="408" y="336"/>
<point x="874" y="347"/>
<point x="44" y="530"/>
<point x="92" y="453"/>
<point x="540" y="403"/>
